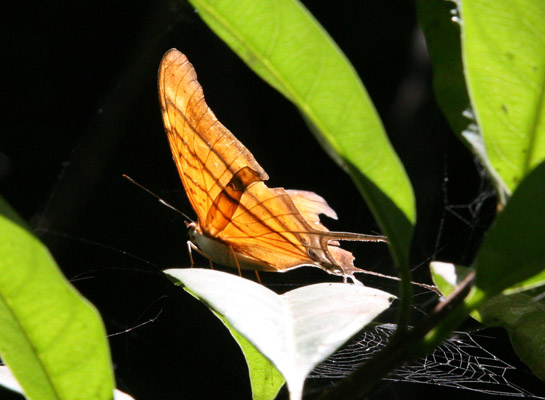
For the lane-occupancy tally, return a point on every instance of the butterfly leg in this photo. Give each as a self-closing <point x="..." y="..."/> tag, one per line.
<point x="190" y="247"/>
<point x="240" y="269"/>
<point x="236" y="261"/>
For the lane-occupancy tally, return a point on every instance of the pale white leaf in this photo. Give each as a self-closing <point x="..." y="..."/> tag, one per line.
<point x="295" y="331"/>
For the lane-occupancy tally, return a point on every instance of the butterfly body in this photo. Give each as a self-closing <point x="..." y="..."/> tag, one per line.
<point x="221" y="253"/>
<point x="242" y="222"/>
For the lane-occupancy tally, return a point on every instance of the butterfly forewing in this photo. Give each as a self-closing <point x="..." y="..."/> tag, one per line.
<point x="206" y="154"/>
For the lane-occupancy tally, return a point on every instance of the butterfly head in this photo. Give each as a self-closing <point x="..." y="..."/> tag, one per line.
<point x="193" y="229"/>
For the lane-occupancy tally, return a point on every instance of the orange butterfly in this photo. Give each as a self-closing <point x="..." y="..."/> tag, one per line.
<point x="241" y="223"/>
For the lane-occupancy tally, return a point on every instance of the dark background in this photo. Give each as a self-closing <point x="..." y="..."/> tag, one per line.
<point x="82" y="110"/>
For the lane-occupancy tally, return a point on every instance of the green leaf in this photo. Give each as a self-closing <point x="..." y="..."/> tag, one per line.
<point x="521" y="314"/>
<point x="51" y="338"/>
<point x="524" y="318"/>
<point x="441" y="25"/>
<point x="8" y="381"/>
<point x="530" y="283"/>
<point x="295" y="331"/>
<point x="285" y="45"/>
<point x="447" y="276"/>
<point x="529" y="342"/>
<point x="437" y="18"/>
<point x="504" y="56"/>
<point x="513" y="251"/>
<point x="265" y="379"/>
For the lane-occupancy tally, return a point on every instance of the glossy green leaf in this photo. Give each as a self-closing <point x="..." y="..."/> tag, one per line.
<point x="513" y="251"/>
<point x="51" y="338"/>
<point x="295" y="331"/>
<point x="503" y="46"/>
<point x="286" y="46"/>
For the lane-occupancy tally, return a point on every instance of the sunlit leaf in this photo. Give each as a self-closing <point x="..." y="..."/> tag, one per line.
<point x="8" y="381"/>
<point x="296" y="330"/>
<point x="51" y="338"/>
<point x="503" y="46"/>
<point x="447" y="276"/>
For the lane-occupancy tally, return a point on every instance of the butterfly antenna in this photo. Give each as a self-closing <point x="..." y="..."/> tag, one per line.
<point x="163" y="202"/>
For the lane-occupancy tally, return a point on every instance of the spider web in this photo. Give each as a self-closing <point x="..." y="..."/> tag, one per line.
<point x="459" y="362"/>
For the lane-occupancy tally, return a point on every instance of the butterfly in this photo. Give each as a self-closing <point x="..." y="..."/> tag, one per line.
<point x="242" y="223"/>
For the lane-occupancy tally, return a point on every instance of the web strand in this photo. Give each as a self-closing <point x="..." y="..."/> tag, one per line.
<point x="459" y="363"/>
